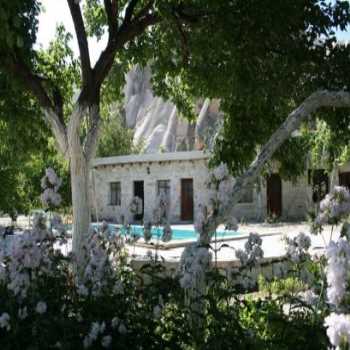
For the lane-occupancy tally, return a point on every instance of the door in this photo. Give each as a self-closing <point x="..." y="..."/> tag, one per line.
<point x="139" y="192"/>
<point x="344" y="179"/>
<point x="187" y="199"/>
<point x="274" y="195"/>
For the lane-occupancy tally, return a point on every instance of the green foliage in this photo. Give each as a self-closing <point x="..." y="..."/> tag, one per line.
<point x="59" y="65"/>
<point x="18" y="21"/>
<point x="115" y="139"/>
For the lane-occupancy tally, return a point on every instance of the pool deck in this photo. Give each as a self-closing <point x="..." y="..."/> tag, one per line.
<point x="272" y="236"/>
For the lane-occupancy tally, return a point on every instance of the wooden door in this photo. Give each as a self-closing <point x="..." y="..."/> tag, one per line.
<point x="274" y="195"/>
<point x="187" y="199"/>
<point x="139" y="192"/>
<point x="344" y="179"/>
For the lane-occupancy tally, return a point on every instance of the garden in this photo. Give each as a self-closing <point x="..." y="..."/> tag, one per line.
<point x="261" y="87"/>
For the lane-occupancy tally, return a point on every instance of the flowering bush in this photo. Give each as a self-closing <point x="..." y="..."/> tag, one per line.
<point x="46" y="304"/>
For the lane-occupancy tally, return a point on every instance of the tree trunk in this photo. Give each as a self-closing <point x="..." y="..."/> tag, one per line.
<point x="79" y="156"/>
<point x="79" y="168"/>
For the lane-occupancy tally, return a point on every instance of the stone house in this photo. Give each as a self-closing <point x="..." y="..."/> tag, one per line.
<point x="181" y="176"/>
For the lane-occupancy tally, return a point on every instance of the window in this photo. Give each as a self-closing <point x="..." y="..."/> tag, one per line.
<point x="115" y="193"/>
<point x="163" y="188"/>
<point x="247" y="196"/>
<point x="320" y="184"/>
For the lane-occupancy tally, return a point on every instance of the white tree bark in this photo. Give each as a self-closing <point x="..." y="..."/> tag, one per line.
<point x="79" y="155"/>
<point x="58" y="130"/>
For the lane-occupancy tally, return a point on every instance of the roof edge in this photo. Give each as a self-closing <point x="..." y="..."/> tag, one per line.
<point x="149" y="158"/>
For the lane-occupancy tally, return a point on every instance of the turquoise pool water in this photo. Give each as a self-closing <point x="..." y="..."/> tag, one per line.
<point x="178" y="234"/>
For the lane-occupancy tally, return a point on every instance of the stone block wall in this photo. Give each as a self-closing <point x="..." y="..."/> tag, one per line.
<point x="150" y="173"/>
<point x="296" y="197"/>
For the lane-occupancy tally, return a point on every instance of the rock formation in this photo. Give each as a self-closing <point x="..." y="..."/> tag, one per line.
<point x="157" y="124"/>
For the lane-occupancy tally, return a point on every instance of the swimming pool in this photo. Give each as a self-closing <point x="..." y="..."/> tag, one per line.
<point x="178" y="233"/>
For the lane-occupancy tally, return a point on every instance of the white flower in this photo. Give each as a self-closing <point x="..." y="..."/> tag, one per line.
<point x="242" y="256"/>
<point x="41" y="307"/>
<point x="335" y="206"/>
<point x="297" y="248"/>
<point x="122" y="328"/>
<point x="220" y="172"/>
<point x="39" y="221"/>
<point x="106" y="341"/>
<point x="157" y="311"/>
<point x="95" y="330"/>
<point x="252" y="250"/>
<point x="82" y="290"/>
<point x="52" y="177"/>
<point x="5" y="321"/>
<point x="200" y="220"/>
<point x="167" y="233"/>
<point x="50" y="198"/>
<point x="195" y="261"/>
<point x="338" y="255"/>
<point x="23" y="313"/>
<point x="338" y="329"/>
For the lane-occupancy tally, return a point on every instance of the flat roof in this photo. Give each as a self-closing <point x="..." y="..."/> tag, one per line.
<point x="149" y="157"/>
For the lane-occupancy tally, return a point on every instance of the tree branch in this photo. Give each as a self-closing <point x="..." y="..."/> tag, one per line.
<point x="53" y="113"/>
<point x="317" y="100"/>
<point x="124" y="35"/>
<point x="82" y="41"/>
<point x="111" y="8"/>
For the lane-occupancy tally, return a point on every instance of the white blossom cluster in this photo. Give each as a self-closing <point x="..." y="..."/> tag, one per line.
<point x="194" y="264"/>
<point x="338" y="257"/>
<point x="297" y="247"/>
<point x="96" y="330"/>
<point x="167" y="233"/>
<point x="5" y="321"/>
<point x="220" y="188"/>
<point x="50" y="184"/>
<point x="28" y="258"/>
<point x="102" y="253"/>
<point x="161" y="211"/>
<point x="335" y="206"/>
<point x="338" y="329"/>
<point x="41" y="307"/>
<point x="252" y="250"/>
<point x="135" y="206"/>
<point x="159" y="219"/>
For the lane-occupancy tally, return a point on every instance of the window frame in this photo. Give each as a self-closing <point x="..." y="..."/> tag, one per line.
<point x="118" y="193"/>
<point x="246" y="193"/>
<point x="168" y="187"/>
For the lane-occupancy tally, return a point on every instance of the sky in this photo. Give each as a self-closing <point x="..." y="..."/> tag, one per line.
<point x="57" y="11"/>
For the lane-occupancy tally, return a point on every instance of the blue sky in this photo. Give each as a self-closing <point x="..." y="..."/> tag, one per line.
<point x="57" y="11"/>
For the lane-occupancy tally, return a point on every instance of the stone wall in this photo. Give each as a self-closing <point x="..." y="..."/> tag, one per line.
<point x="149" y="172"/>
<point x="296" y="197"/>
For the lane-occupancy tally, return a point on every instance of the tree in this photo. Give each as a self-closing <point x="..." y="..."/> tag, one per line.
<point x="256" y="57"/>
<point x="116" y="139"/>
<point x="75" y="123"/>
